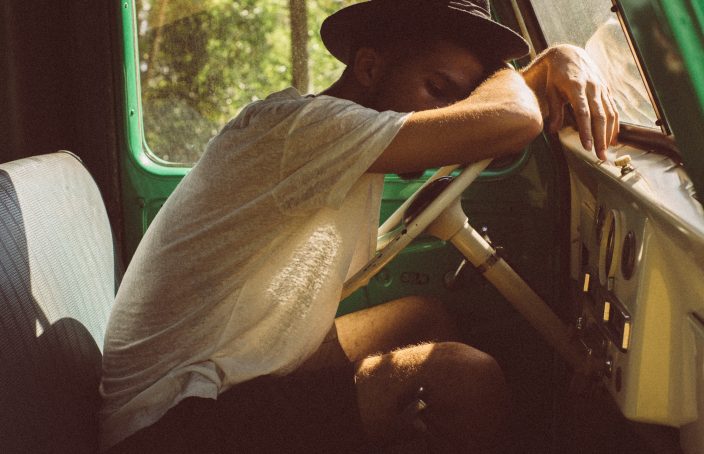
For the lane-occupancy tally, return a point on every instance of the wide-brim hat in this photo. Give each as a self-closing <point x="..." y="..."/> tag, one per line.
<point x="467" y="22"/>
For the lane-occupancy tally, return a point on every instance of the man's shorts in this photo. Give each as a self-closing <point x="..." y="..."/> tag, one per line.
<point x="313" y="410"/>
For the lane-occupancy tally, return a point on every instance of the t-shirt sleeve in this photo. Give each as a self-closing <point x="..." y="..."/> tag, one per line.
<point x="331" y="143"/>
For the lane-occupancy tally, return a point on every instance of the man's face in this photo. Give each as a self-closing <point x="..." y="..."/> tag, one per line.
<point x="439" y="75"/>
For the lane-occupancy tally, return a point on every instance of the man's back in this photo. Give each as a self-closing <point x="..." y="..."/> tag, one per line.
<point x="240" y="273"/>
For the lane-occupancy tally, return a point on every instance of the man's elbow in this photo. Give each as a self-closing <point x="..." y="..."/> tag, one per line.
<point x="526" y="123"/>
<point x="522" y="118"/>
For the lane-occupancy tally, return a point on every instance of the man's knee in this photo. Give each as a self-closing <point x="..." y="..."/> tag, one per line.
<point x="398" y="324"/>
<point x="466" y="394"/>
<point x="464" y="363"/>
<point x="464" y="391"/>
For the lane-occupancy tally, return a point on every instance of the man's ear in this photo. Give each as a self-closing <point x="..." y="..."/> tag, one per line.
<point x="367" y="66"/>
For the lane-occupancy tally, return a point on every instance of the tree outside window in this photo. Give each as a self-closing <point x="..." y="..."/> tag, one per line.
<point x="202" y="61"/>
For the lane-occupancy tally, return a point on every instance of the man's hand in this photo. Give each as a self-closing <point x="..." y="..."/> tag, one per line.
<point x="565" y="74"/>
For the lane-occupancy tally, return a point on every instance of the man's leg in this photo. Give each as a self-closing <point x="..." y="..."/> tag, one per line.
<point x="464" y="390"/>
<point x="463" y="387"/>
<point x="400" y="323"/>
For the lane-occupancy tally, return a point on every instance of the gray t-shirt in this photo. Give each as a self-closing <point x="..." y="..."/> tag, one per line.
<point x="240" y="273"/>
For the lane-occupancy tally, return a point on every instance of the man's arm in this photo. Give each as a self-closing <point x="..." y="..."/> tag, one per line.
<point x="500" y="117"/>
<point x="506" y="112"/>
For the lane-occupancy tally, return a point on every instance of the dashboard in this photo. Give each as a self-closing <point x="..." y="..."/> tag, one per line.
<point x="637" y="263"/>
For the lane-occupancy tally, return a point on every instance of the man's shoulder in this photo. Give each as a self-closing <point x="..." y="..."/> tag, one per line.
<point x="286" y="106"/>
<point x="277" y="106"/>
<point x="287" y="94"/>
<point x="286" y="97"/>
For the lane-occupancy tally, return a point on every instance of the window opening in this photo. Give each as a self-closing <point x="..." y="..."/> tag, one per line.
<point x="595" y="27"/>
<point x="201" y="61"/>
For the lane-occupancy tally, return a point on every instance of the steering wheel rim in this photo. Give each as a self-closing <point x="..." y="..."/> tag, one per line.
<point x="394" y="240"/>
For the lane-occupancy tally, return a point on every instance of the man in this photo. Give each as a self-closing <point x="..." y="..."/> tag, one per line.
<point x="220" y="339"/>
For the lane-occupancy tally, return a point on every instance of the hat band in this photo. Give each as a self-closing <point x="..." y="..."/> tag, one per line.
<point x="468" y="7"/>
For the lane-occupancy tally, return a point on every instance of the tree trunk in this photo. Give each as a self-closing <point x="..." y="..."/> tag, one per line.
<point x="299" y="45"/>
<point x="153" y="55"/>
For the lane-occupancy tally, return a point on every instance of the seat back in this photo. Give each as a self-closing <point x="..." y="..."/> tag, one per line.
<point x="57" y="284"/>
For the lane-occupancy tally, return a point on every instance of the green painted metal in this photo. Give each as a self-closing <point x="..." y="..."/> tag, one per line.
<point x="668" y="35"/>
<point x="146" y="182"/>
<point x="137" y="148"/>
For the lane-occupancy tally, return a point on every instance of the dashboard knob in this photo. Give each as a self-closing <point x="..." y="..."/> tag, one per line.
<point x="624" y="162"/>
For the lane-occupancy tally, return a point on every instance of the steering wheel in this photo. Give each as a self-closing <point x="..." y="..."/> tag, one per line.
<point x="395" y="234"/>
<point x="436" y="207"/>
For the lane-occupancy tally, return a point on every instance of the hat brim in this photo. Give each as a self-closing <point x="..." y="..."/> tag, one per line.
<point x="339" y="31"/>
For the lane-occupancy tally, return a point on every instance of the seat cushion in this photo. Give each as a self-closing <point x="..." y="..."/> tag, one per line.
<point x="57" y="284"/>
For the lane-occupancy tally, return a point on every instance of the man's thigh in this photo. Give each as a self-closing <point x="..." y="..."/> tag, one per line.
<point x="464" y="398"/>
<point x="399" y="323"/>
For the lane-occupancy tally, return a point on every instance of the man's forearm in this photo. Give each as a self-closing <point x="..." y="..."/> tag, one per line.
<point x="509" y="108"/>
<point x="501" y="116"/>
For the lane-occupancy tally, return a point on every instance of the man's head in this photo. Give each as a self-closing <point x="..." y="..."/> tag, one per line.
<point x="408" y="55"/>
<point x="433" y="74"/>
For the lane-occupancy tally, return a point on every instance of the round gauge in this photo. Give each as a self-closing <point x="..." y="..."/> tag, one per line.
<point x="599" y="227"/>
<point x="628" y="255"/>
<point x="610" y="239"/>
<point x="610" y="242"/>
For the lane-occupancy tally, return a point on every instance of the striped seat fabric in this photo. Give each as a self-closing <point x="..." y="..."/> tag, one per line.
<point x="57" y="284"/>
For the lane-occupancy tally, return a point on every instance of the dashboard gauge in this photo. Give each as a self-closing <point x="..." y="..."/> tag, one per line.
<point x="599" y="227"/>
<point x="610" y="241"/>
<point x="628" y="255"/>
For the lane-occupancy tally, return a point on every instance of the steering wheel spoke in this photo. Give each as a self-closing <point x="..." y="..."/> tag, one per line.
<point x="395" y="219"/>
<point x="406" y="233"/>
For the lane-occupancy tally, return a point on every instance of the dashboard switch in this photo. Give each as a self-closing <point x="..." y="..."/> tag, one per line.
<point x="607" y="311"/>
<point x="624" y="162"/>
<point x="587" y="282"/>
<point x="617" y="322"/>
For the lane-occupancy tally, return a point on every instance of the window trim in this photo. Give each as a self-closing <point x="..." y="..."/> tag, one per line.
<point x="138" y="149"/>
<point x="645" y="75"/>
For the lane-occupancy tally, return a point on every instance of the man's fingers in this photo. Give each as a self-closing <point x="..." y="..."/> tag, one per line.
<point x="572" y="78"/>
<point x="618" y="128"/>
<point x="557" y="111"/>
<point x="598" y="118"/>
<point x="611" y="118"/>
<point x="617" y="123"/>
<point x="580" y="107"/>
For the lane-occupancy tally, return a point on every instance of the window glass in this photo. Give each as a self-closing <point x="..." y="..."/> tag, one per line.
<point x="592" y="25"/>
<point x="201" y="61"/>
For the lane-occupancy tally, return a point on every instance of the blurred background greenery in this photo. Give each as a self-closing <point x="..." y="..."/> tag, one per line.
<point x="201" y="61"/>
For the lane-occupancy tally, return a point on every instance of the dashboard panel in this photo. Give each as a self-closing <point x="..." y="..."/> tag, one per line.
<point x="637" y="262"/>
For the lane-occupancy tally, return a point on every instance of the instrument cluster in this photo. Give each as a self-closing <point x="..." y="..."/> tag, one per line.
<point x="612" y="236"/>
<point x="636" y="260"/>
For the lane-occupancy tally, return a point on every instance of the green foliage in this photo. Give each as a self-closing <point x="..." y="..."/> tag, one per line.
<point x="202" y="61"/>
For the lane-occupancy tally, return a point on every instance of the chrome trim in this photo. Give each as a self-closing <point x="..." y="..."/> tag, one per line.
<point x="662" y="122"/>
<point x="489" y="263"/>
<point x="524" y="29"/>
